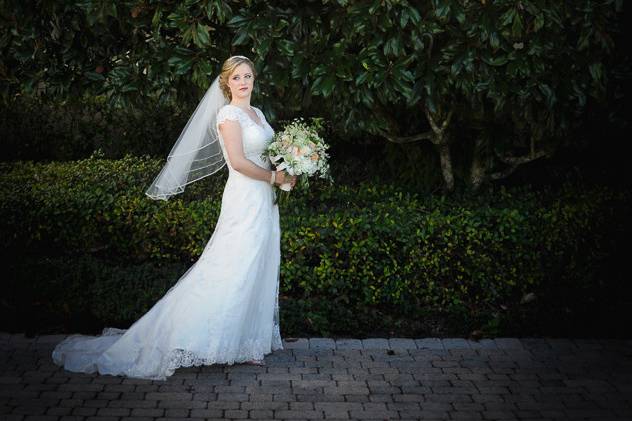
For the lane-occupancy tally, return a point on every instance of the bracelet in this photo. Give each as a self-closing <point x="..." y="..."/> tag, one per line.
<point x="273" y="177"/>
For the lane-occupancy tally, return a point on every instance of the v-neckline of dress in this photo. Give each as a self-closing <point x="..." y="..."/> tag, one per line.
<point x="250" y="118"/>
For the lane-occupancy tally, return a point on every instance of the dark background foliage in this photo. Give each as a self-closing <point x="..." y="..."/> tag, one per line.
<point x="497" y="126"/>
<point x="487" y="86"/>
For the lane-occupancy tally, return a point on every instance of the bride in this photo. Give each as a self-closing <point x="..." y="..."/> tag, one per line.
<point x="224" y="309"/>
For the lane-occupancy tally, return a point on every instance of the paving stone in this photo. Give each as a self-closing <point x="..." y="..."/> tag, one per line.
<point x="348" y="344"/>
<point x="222" y="405"/>
<point x="113" y="412"/>
<point x="169" y="396"/>
<point x="402" y="343"/>
<point x="84" y="411"/>
<point x="375" y="343"/>
<point x="148" y="412"/>
<point x="321" y="343"/>
<point x="483" y="344"/>
<point x="318" y="397"/>
<point x="455" y="343"/>
<point x="429" y="343"/>
<point x="177" y="412"/>
<point x="137" y="419"/>
<point x="260" y="414"/>
<point x="58" y="410"/>
<point x="182" y="404"/>
<point x="300" y="343"/>
<point x="291" y="414"/>
<point x="508" y="343"/>
<point x="206" y="413"/>
<point x="382" y="415"/>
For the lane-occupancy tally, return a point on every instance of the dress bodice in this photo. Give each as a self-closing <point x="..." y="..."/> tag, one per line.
<point x="254" y="137"/>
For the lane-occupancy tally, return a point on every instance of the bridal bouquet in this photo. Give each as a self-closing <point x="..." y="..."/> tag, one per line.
<point x="300" y="151"/>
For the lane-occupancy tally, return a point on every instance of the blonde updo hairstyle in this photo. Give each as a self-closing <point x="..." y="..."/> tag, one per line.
<point x="228" y="68"/>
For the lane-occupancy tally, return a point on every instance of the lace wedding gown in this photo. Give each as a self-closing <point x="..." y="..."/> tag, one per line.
<point x="224" y="309"/>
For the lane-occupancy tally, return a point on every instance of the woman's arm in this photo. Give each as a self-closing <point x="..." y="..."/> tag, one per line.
<point x="231" y="133"/>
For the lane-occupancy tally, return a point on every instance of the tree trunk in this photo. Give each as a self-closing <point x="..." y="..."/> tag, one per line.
<point x="478" y="170"/>
<point x="439" y="137"/>
<point x="446" y="164"/>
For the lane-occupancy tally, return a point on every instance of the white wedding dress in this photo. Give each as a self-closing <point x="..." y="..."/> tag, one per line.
<point x="224" y="309"/>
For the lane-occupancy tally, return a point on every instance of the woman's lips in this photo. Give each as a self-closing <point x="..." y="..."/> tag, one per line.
<point x="243" y="89"/>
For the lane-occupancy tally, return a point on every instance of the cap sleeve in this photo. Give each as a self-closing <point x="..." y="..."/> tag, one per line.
<point x="227" y="113"/>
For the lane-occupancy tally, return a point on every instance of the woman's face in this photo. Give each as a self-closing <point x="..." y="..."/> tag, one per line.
<point x="241" y="81"/>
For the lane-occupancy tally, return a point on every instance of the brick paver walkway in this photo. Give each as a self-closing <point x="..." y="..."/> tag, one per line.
<point x="323" y="378"/>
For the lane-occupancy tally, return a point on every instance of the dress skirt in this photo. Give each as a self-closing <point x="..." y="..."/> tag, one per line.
<point x="223" y="310"/>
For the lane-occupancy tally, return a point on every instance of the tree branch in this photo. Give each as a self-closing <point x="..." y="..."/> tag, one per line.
<point x="514" y="162"/>
<point x="433" y="124"/>
<point x="407" y="139"/>
<point x="433" y="135"/>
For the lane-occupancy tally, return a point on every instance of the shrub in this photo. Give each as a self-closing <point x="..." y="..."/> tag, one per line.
<point x="354" y="257"/>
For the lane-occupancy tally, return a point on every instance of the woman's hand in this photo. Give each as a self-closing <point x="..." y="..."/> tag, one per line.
<point x="282" y="177"/>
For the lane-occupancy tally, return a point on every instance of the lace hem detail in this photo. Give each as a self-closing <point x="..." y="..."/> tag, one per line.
<point x="109" y="331"/>
<point x="252" y="350"/>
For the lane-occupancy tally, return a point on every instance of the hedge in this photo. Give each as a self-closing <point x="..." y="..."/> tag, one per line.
<point x="82" y="238"/>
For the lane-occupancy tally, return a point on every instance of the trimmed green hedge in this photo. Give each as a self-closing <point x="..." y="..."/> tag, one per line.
<point x="83" y="238"/>
<point x="50" y="129"/>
